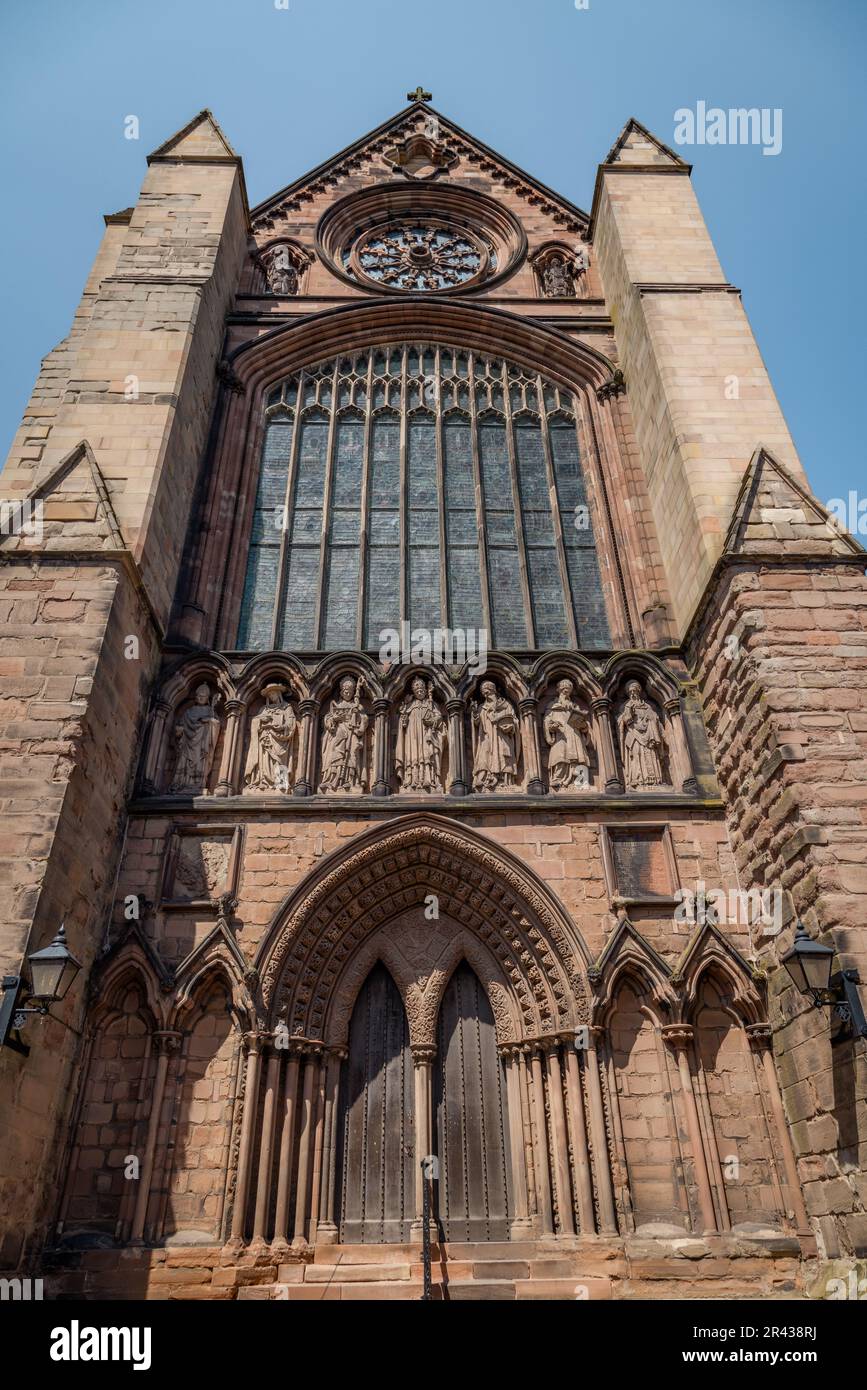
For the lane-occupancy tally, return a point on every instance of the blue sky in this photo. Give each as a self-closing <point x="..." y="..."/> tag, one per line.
<point x="545" y="83"/>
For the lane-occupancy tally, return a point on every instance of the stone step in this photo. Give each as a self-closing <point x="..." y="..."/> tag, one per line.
<point x="475" y="1290"/>
<point x="493" y="1250"/>
<point x="369" y="1254"/>
<point x="355" y="1273"/>
<point x="561" y="1290"/>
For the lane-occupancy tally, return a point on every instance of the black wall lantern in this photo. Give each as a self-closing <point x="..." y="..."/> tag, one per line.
<point x="809" y="965"/>
<point x="52" y="971"/>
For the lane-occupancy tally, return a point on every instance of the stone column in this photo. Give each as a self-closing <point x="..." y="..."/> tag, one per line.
<point x="326" y="1231"/>
<point x="679" y="1037"/>
<point x="165" y="1043"/>
<point x="609" y="774"/>
<point x="156" y="741"/>
<point x="599" y="1137"/>
<point x="521" y="1224"/>
<point x="760" y="1038"/>
<point x="422" y="1059"/>
<point x="308" y="1120"/>
<point x="304" y="783"/>
<point x="681" y="763"/>
<point x="266" y="1148"/>
<point x="561" y="1150"/>
<point x="227" y="782"/>
<point x="543" y="1176"/>
<point x="318" y="1146"/>
<point x="524" y="1085"/>
<point x="253" y="1043"/>
<point x="530" y="740"/>
<point x="380" y="748"/>
<point x="284" y="1176"/>
<point x="578" y="1128"/>
<point x="459" y="785"/>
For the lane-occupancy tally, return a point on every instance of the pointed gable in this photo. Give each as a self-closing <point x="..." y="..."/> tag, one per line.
<point x="636" y="146"/>
<point x="774" y="514"/>
<point x="200" y="139"/>
<point x="72" y="507"/>
<point x="372" y="157"/>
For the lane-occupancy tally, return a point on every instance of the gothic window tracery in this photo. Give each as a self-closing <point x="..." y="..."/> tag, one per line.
<point x="415" y="483"/>
<point x="421" y="255"/>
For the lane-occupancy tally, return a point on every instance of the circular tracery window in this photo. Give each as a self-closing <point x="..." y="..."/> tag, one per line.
<point x="412" y="238"/>
<point x="421" y="255"/>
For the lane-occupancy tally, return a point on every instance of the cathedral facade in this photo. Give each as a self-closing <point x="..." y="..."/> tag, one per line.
<point x="432" y="700"/>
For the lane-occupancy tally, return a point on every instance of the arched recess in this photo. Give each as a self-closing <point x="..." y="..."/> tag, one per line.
<point x="215" y="573"/>
<point x="648" y="1169"/>
<point x="421" y="897"/>
<point x="111" y="1121"/>
<point x="312" y="961"/>
<point x="190" y="1191"/>
<point x="735" y="1098"/>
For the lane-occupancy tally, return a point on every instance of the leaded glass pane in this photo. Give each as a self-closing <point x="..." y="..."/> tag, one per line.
<point x="522" y="456"/>
<point x="382" y="607"/>
<point x="257" y="604"/>
<point x="424" y="531"/>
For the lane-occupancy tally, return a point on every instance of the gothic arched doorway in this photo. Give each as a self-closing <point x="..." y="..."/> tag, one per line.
<point x="376" y="1130"/>
<point x="471" y="1119"/>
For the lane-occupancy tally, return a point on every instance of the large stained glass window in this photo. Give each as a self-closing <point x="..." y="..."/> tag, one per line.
<point x="421" y="484"/>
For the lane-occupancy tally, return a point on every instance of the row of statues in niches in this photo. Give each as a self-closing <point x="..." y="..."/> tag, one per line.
<point x="419" y="742"/>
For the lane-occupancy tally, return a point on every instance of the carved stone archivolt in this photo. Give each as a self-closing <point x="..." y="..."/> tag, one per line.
<point x="515" y="936"/>
<point x="351" y="728"/>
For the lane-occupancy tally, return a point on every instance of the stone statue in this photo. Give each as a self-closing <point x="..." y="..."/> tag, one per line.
<point x="557" y="281"/>
<point x="280" y="273"/>
<point x="421" y="740"/>
<point x="642" y="743"/>
<point x="495" y="742"/>
<point x="271" y="756"/>
<point x="344" y="745"/>
<point x="567" y="734"/>
<point x="196" y="734"/>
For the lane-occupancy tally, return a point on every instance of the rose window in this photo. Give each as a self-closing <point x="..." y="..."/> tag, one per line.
<point x="421" y="256"/>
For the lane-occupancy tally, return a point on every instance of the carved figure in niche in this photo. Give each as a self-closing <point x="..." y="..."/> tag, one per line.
<point x="271" y="756"/>
<point x="280" y="273"/>
<point x="344" y="743"/>
<point x="557" y="278"/>
<point x="421" y="740"/>
<point x="642" y="743"/>
<point x="196" y="734"/>
<point x="495" y="742"/>
<point x="567" y="734"/>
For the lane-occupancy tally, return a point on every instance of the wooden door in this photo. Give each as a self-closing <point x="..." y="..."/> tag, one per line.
<point x="376" y="1135"/>
<point x="470" y="1100"/>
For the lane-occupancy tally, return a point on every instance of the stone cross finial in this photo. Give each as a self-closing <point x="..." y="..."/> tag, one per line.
<point x="419" y="95"/>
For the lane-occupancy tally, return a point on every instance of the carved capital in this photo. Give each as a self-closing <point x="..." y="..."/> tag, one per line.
<point x="677" y="1036"/>
<point x="230" y="379"/>
<point x="614" y="386"/>
<point x="166" y="1041"/>
<point x="423" y="1055"/>
<point x="760" y="1036"/>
